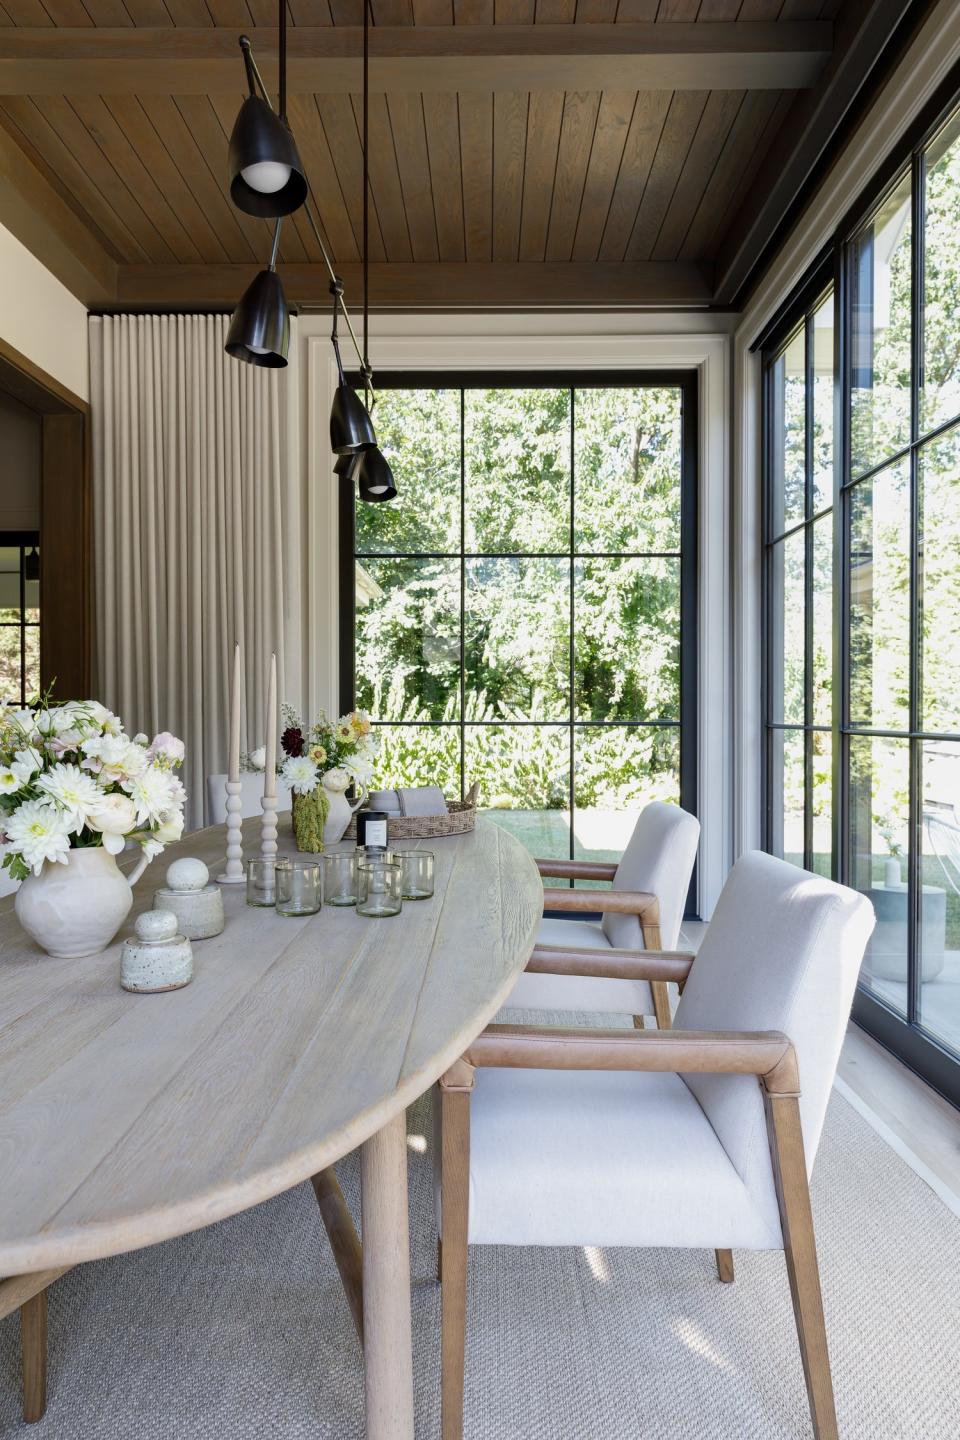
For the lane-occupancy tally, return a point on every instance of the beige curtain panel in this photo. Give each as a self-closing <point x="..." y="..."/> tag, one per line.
<point x="188" y="486"/>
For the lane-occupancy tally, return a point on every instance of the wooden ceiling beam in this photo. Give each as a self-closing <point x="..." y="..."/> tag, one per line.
<point x="782" y="55"/>
<point x="431" y="286"/>
<point x="863" y="33"/>
<point x="33" y="211"/>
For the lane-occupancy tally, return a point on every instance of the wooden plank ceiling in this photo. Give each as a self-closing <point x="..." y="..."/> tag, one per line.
<point x="481" y="195"/>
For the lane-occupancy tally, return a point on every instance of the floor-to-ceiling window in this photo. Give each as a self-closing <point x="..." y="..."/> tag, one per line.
<point x="878" y="522"/>
<point x="522" y="616"/>
<point x="19" y="617"/>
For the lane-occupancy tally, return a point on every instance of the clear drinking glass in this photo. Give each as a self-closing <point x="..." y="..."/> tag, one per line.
<point x="417" y="871"/>
<point x="298" y="887"/>
<point x="340" y="877"/>
<point x="260" y="883"/>
<point x="379" y="888"/>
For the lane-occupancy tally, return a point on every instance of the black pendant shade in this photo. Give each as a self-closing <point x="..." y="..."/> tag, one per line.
<point x="31" y="564"/>
<point x="374" y="476"/>
<point x="262" y="145"/>
<point x="260" y="328"/>
<point x="346" y="465"/>
<point x="350" y="425"/>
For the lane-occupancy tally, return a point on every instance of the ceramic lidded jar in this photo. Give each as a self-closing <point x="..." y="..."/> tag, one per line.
<point x="197" y="905"/>
<point x="158" y="957"/>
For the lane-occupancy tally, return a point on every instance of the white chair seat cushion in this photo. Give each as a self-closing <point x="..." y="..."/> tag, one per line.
<point x="578" y="992"/>
<point x="605" y="1158"/>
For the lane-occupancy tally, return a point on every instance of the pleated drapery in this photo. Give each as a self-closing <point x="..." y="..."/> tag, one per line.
<point x="188" y="492"/>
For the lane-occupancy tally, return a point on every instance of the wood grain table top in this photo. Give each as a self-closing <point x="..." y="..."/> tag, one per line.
<point x="127" y="1119"/>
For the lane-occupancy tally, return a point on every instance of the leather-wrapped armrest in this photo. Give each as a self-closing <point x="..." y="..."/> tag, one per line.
<point x="610" y="964"/>
<point x="577" y="869"/>
<point x="621" y="902"/>
<point x="768" y="1054"/>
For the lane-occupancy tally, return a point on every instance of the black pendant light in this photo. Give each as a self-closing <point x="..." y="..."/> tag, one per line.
<point x="260" y="328"/>
<point x="374" y="476"/>
<point x="350" y="425"/>
<point x="346" y="466"/>
<point x="266" y="173"/>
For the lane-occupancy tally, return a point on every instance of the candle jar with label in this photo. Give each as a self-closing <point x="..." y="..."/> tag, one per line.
<point x="372" y="829"/>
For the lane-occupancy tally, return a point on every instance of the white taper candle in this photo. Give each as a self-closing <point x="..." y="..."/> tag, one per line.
<point x="270" y="770"/>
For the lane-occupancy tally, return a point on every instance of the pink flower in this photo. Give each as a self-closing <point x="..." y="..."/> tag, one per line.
<point x="167" y="747"/>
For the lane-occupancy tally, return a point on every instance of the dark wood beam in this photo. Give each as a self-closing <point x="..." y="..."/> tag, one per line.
<point x="785" y="55"/>
<point x="42" y="221"/>
<point x="430" y="286"/>
<point x="863" y="32"/>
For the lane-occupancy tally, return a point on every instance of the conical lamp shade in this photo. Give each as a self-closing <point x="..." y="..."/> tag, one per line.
<point x="350" y="425"/>
<point x="260" y="328"/>
<point x="374" y="476"/>
<point x="266" y="173"/>
<point x="346" y="464"/>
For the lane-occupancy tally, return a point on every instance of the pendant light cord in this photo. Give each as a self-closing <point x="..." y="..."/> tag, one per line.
<point x="282" y="27"/>
<point x="367" y="372"/>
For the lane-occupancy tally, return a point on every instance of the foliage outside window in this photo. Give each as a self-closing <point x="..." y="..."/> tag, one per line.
<point x="19" y="618"/>
<point x="518" y="607"/>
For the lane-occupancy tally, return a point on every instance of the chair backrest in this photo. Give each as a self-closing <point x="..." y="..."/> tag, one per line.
<point x="251" y="782"/>
<point x="659" y="858"/>
<point x="782" y="952"/>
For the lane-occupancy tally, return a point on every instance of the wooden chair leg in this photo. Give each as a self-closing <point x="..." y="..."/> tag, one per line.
<point x="796" y="1220"/>
<point x="661" y="1004"/>
<point x="33" y="1349"/>
<point x="638" y="1022"/>
<point x="454" y="1210"/>
<point x="724" y="1266"/>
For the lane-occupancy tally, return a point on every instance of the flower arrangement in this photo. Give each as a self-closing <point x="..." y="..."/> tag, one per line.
<point x="347" y="745"/>
<point x="71" y="778"/>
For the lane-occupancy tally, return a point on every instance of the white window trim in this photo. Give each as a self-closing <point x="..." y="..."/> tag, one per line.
<point x="466" y="343"/>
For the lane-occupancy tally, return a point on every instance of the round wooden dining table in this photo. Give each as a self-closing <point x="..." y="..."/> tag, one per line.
<point x="128" y="1119"/>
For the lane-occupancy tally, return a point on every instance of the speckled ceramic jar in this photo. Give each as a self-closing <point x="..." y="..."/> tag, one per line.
<point x="158" y="958"/>
<point x="197" y="905"/>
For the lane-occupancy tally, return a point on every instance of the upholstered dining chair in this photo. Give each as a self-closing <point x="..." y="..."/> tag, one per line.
<point x="643" y="909"/>
<point x="699" y="1136"/>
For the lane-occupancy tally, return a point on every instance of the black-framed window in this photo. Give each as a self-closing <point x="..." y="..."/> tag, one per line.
<point x="524" y="614"/>
<point x="894" y="713"/>
<point x="19" y="616"/>
<point x="798" y="587"/>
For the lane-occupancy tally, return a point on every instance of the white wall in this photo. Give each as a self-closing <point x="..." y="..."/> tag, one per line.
<point x="40" y="318"/>
<point x="20" y="449"/>
<point x="543" y="342"/>
<point x="923" y="68"/>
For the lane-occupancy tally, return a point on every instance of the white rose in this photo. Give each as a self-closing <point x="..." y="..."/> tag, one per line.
<point x="336" y="780"/>
<point x="168" y="830"/>
<point x="258" y="758"/>
<point x="114" y="816"/>
<point x="168" y="746"/>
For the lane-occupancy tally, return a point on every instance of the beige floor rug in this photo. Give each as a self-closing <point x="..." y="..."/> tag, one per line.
<point x="242" y="1331"/>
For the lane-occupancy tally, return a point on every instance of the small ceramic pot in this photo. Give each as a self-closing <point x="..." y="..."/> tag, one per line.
<point x="159" y="958"/>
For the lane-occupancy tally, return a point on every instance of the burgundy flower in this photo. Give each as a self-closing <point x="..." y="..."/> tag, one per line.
<point x="291" y="741"/>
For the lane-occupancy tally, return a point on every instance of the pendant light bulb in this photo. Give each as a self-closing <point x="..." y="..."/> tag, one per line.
<point x="266" y="176"/>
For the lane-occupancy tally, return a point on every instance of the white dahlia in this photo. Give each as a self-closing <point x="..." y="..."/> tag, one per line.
<point x="300" y="774"/>
<point x="73" y="791"/>
<point x="152" y="793"/>
<point x="37" y="832"/>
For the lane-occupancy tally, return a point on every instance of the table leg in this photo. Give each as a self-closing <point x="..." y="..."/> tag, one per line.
<point x="387" y="1338"/>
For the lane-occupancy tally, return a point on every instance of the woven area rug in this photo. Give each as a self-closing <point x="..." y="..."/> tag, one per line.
<point x="241" y="1330"/>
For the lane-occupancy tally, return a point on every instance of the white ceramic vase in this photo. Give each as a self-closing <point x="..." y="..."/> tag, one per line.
<point x="76" y="909"/>
<point x="339" y="812"/>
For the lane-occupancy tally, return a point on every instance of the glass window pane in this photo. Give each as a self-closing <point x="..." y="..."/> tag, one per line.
<point x="408" y="639"/>
<point x="517" y="469"/>
<point x="9" y="583"/>
<point x="940" y="913"/>
<point x="880" y="600"/>
<point x="940" y="582"/>
<point x="786" y="794"/>
<point x="419" y="432"/>
<point x="879" y="839"/>
<point x="31" y="669"/>
<point x="822" y="658"/>
<point x="616" y="772"/>
<point x="880" y="344"/>
<point x="419" y="755"/>
<point x="10" y="663"/>
<point x="822" y="803"/>
<point x="788" y="435"/>
<point x="822" y="454"/>
<point x="627" y="639"/>
<point x="524" y="775"/>
<point x="940" y="391"/>
<point x="517" y="639"/>
<point x="786" y="621"/>
<point x="628" y="457"/>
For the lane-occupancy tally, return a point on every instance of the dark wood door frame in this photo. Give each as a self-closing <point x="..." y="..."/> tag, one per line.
<point x="65" y="522"/>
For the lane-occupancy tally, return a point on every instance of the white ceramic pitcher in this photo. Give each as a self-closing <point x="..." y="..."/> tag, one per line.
<point x="335" y="783"/>
<point x="75" y="909"/>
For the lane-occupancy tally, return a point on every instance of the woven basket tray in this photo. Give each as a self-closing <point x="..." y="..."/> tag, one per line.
<point x="462" y="817"/>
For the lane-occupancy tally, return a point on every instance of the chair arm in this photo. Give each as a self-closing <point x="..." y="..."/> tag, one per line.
<point x="577" y="869"/>
<point x="622" y="902"/>
<point x="610" y="964"/>
<point x="768" y="1054"/>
